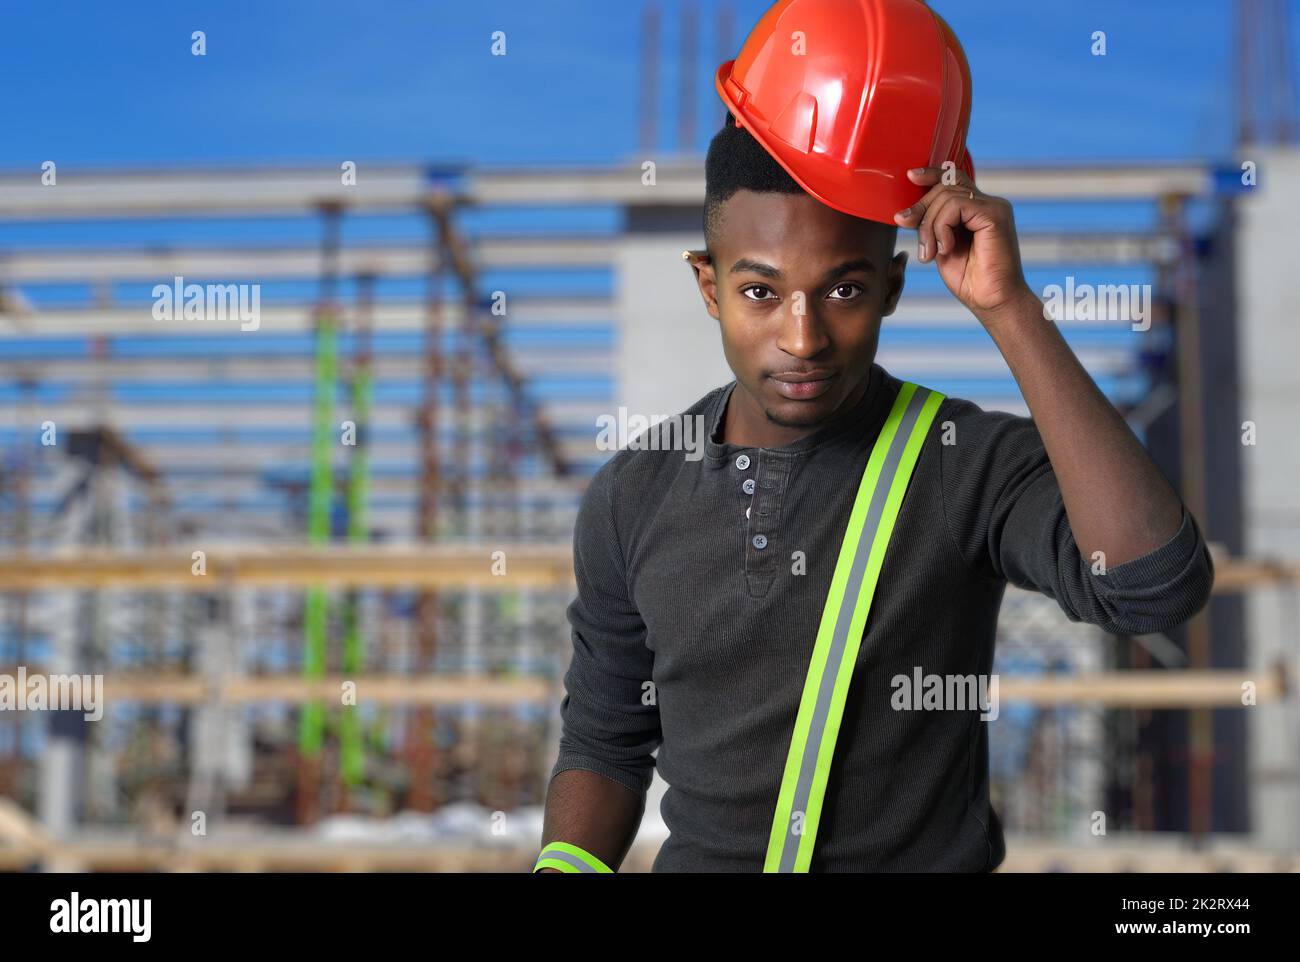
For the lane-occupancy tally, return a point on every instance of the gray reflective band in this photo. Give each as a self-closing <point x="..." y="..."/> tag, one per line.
<point x="562" y="856"/>
<point x="573" y="858"/>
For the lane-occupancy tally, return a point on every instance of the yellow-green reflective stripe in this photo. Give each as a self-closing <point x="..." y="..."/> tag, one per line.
<point x="844" y="616"/>
<point x="568" y="857"/>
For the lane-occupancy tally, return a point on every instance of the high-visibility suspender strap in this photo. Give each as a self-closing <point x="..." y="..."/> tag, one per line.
<point x="566" y="857"/>
<point x="862" y="553"/>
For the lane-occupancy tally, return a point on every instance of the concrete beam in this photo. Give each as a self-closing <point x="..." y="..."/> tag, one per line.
<point x="264" y="264"/>
<point x="83" y="194"/>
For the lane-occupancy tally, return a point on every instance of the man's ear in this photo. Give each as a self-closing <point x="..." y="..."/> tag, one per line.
<point x="894" y="283"/>
<point x="705" y="278"/>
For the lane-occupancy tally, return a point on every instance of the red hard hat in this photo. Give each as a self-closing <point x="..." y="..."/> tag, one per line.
<point x="847" y="95"/>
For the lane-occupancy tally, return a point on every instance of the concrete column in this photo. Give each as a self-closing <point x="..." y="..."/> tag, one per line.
<point x="1269" y="343"/>
<point x="669" y="351"/>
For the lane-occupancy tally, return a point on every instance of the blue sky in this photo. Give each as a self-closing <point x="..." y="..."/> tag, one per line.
<point x="112" y="84"/>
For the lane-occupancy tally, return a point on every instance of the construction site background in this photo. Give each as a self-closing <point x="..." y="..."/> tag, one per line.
<point x="290" y="452"/>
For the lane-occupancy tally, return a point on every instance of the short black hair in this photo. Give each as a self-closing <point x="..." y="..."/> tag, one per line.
<point x="736" y="161"/>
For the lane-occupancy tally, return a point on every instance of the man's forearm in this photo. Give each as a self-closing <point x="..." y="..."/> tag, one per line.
<point x="592" y="812"/>
<point x="1117" y="500"/>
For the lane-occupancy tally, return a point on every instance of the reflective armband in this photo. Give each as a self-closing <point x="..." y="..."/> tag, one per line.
<point x="564" y="857"/>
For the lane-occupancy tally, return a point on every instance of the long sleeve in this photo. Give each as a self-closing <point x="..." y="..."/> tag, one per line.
<point x="1005" y="513"/>
<point x="610" y="713"/>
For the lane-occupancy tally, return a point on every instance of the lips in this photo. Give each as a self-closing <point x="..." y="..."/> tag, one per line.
<point x="802" y="386"/>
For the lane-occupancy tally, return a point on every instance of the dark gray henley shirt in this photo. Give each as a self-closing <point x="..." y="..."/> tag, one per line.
<point x="690" y="639"/>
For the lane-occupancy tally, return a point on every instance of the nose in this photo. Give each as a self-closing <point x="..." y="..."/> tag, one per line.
<point x="802" y="334"/>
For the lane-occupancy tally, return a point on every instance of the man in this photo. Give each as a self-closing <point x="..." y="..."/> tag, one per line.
<point x="701" y="584"/>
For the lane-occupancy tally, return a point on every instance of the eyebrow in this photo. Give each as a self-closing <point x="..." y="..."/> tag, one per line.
<point x="839" y="270"/>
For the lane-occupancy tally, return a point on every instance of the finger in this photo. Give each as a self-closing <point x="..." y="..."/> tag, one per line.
<point x="925" y="231"/>
<point x="925" y="176"/>
<point x="946" y="215"/>
<point x="924" y="239"/>
<point x="960" y="205"/>
<point x="912" y="216"/>
<point x="931" y="177"/>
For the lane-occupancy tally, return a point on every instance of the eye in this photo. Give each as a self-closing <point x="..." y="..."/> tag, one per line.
<point x="853" y="291"/>
<point x="758" y="287"/>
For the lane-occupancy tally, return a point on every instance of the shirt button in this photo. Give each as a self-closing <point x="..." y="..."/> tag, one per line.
<point x="760" y="541"/>
<point x="742" y="462"/>
<point x="748" y="486"/>
<point x="746" y="512"/>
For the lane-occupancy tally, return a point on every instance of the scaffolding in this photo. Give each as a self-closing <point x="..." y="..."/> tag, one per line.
<point x="434" y="591"/>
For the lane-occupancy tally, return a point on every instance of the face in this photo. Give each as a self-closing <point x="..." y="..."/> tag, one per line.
<point x="799" y="290"/>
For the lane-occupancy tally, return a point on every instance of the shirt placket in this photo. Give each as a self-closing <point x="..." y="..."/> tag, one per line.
<point x="763" y="480"/>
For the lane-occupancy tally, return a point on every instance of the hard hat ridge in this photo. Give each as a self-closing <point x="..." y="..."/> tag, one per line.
<point x="847" y="95"/>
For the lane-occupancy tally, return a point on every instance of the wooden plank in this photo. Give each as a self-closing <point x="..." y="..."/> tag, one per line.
<point x="334" y="566"/>
<point x="1141" y="689"/>
<point x="438" y="690"/>
<point x="444" y="565"/>
<point x="1171" y="690"/>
